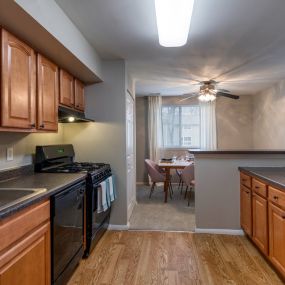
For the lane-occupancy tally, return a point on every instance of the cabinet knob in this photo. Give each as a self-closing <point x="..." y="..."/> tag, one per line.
<point x="256" y="187"/>
<point x="275" y="197"/>
<point x="33" y="125"/>
<point x="42" y="125"/>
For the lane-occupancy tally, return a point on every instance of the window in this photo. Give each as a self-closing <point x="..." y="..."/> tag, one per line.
<point x="180" y="126"/>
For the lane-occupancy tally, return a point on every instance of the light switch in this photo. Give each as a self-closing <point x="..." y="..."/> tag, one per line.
<point x="10" y="153"/>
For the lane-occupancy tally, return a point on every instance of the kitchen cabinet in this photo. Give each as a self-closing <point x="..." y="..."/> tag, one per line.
<point x="18" y="83"/>
<point x="260" y="222"/>
<point x="245" y="209"/>
<point x="263" y="218"/>
<point x="25" y="247"/>
<point x="66" y="89"/>
<point x="79" y="95"/>
<point x="277" y="237"/>
<point x="48" y="88"/>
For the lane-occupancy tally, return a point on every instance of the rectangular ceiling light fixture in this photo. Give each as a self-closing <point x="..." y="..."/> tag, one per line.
<point x="173" y="21"/>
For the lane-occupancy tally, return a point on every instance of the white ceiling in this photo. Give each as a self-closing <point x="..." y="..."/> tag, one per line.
<point x="240" y="43"/>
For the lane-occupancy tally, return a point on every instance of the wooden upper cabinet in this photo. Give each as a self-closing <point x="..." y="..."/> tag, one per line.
<point x="66" y="89"/>
<point x="79" y="95"/>
<point x="259" y="222"/>
<point x="277" y="237"/>
<point x="245" y="210"/>
<point x="18" y="83"/>
<point x="48" y="89"/>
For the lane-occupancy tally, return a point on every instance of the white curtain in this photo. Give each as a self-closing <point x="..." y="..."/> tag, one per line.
<point x="208" y="125"/>
<point x="154" y="127"/>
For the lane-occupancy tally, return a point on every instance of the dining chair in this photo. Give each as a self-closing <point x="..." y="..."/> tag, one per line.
<point x="187" y="176"/>
<point x="156" y="175"/>
<point x="181" y="183"/>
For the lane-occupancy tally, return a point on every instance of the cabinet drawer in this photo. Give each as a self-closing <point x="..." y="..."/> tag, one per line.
<point x="259" y="187"/>
<point x="276" y="196"/>
<point x="15" y="227"/>
<point x="245" y="180"/>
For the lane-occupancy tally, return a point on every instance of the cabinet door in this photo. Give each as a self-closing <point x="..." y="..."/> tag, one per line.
<point x="79" y="95"/>
<point x="31" y="263"/>
<point x="18" y="98"/>
<point x="277" y="237"/>
<point x="47" y="94"/>
<point x="245" y="210"/>
<point x="259" y="222"/>
<point x="66" y="89"/>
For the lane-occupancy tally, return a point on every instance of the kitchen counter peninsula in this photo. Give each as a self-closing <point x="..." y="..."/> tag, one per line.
<point x="217" y="193"/>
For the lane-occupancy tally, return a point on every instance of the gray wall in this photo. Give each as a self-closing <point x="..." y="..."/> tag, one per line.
<point x="234" y="123"/>
<point x="141" y="137"/>
<point x="105" y="140"/>
<point x="234" y="127"/>
<point x="24" y="146"/>
<point x="269" y="118"/>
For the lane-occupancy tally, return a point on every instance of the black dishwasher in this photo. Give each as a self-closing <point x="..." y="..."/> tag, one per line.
<point x="67" y="231"/>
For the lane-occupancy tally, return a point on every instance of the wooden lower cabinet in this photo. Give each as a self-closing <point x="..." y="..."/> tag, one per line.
<point x="260" y="222"/>
<point x="263" y="218"/>
<point x="277" y="237"/>
<point x="245" y="210"/>
<point x="25" y="258"/>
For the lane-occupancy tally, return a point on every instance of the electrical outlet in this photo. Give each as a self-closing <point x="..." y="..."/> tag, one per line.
<point x="10" y="153"/>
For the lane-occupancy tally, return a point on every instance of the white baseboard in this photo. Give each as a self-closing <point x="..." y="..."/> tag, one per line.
<point x="220" y="231"/>
<point x="119" y="227"/>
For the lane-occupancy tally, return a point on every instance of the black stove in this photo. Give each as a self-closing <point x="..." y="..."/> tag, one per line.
<point x="60" y="159"/>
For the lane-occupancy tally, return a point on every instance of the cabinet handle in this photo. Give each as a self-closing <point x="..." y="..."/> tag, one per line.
<point x="256" y="187"/>
<point x="247" y="192"/>
<point x="275" y="197"/>
<point x="42" y="125"/>
<point x="33" y="125"/>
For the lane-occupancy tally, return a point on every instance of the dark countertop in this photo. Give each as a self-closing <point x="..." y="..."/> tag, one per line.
<point x="53" y="182"/>
<point x="274" y="176"/>
<point x="237" y="151"/>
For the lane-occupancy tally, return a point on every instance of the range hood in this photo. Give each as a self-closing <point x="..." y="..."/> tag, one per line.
<point x="66" y="115"/>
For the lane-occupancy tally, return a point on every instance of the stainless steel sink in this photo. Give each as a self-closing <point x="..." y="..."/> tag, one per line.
<point x="12" y="196"/>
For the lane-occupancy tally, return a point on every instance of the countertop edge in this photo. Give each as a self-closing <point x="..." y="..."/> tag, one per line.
<point x="262" y="177"/>
<point x="246" y="151"/>
<point x="13" y="209"/>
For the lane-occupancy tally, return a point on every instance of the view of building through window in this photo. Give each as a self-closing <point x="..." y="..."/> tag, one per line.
<point x="181" y="126"/>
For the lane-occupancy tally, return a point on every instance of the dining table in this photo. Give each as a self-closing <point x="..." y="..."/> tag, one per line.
<point x="167" y="166"/>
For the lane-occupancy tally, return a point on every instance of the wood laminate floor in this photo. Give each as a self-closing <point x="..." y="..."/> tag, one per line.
<point x="142" y="258"/>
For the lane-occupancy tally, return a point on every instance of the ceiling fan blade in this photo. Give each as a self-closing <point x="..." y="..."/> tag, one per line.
<point x="227" y="95"/>
<point x="222" y="90"/>
<point x="192" y="95"/>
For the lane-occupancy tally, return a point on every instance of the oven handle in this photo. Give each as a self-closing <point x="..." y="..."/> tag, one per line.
<point x="98" y="183"/>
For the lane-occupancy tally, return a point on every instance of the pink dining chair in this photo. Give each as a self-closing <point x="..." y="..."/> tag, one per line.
<point x="156" y="175"/>
<point x="187" y="176"/>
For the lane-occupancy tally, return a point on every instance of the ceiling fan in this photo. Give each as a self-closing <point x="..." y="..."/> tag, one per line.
<point x="208" y="92"/>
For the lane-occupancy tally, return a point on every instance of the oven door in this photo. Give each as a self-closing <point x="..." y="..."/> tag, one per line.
<point x="67" y="227"/>
<point x="98" y="219"/>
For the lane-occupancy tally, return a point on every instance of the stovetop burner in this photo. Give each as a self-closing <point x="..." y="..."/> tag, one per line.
<point x="75" y="167"/>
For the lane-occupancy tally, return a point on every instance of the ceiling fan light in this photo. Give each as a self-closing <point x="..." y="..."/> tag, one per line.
<point x="173" y="19"/>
